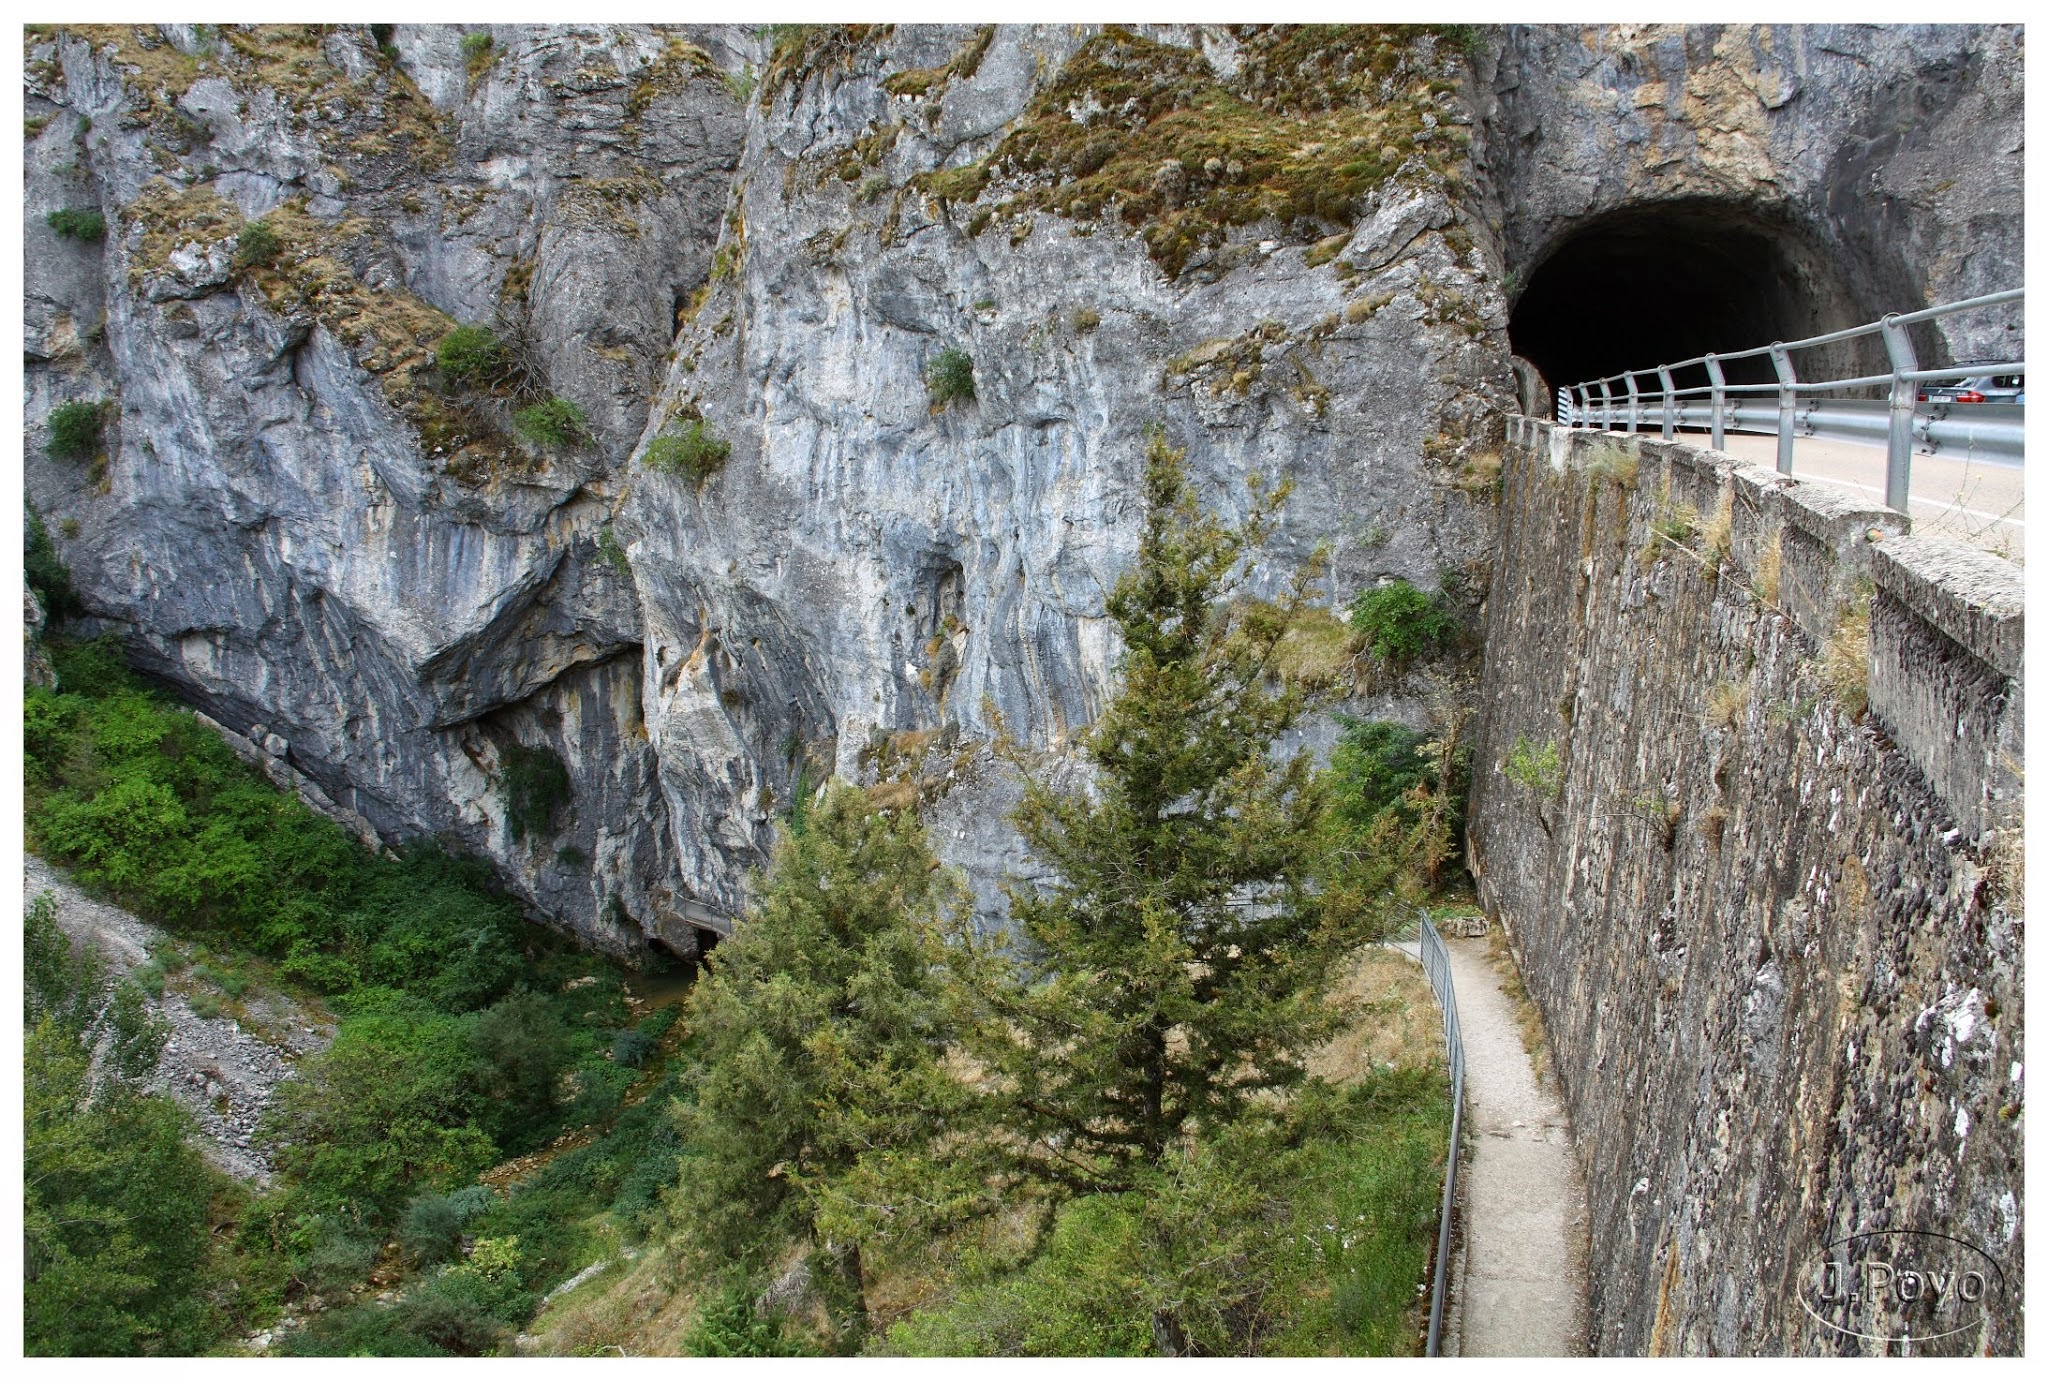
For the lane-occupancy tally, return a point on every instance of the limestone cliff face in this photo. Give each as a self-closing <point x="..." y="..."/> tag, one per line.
<point x="285" y="522"/>
<point x="1286" y="249"/>
<point x="336" y="553"/>
<point x="870" y="568"/>
<point x="1892" y="156"/>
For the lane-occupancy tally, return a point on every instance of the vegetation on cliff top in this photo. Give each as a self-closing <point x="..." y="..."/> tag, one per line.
<point x="1147" y="134"/>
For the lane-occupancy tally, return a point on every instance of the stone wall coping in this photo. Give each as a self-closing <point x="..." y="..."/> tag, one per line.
<point x="1972" y="596"/>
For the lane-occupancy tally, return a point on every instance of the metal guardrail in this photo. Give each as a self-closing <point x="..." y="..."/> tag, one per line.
<point x="1992" y="429"/>
<point x="1436" y="963"/>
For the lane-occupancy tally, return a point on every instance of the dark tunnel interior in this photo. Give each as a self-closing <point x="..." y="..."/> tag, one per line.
<point x="1650" y="285"/>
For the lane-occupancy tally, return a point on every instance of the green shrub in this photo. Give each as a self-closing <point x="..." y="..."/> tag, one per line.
<point x="1374" y="765"/>
<point x="258" y="245"/>
<point x="1400" y="623"/>
<point x="631" y="1047"/>
<point x="431" y="1230"/>
<point x="336" y="1252"/>
<point x="79" y="223"/>
<point x="536" y="786"/>
<point x="45" y="570"/>
<point x="556" y="422"/>
<point x="522" y="1048"/>
<point x="600" y="1091"/>
<point x="449" y="1312"/>
<point x="1535" y="767"/>
<point x="76" y="429"/>
<point x="949" y="375"/>
<point x="697" y="453"/>
<point x="387" y="1110"/>
<point x="115" y="1208"/>
<point x="473" y="356"/>
<point x="479" y="51"/>
<point x="727" y="1326"/>
<point x="1283" y="1241"/>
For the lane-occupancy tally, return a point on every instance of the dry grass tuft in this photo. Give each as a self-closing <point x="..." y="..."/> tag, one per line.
<point x="639" y="1312"/>
<point x="896" y="795"/>
<point x="1726" y="702"/>
<point x="1713" y="825"/>
<point x="1618" y="465"/>
<point x="1845" y="659"/>
<point x="1718" y="536"/>
<point x="1320" y="650"/>
<point x="1394" y="1019"/>
<point x="1770" y="564"/>
<point x="1481" y="474"/>
<point x="1527" y="1019"/>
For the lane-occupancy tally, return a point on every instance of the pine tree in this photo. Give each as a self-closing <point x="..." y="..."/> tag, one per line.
<point x="1178" y="964"/>
<point x="821" y="1027"/>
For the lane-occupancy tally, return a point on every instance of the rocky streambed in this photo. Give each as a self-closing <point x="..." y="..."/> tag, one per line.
<point x="222" y="1068"/>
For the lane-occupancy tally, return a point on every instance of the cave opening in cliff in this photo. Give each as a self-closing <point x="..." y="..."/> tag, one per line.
<point x="1649" y="285"/>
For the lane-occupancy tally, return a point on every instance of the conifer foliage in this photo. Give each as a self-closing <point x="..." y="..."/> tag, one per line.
<point x="822" y="1027"/>
<point x="1178" y="964"/>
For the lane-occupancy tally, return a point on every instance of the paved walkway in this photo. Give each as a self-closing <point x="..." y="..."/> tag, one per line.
<point x="1519" y="1279"/>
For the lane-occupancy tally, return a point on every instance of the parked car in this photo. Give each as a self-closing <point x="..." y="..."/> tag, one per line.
<point x="1978" y="388"/>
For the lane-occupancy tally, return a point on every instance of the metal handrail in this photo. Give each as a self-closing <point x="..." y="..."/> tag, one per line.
<point x="1994" y="434"/>
<point x="1436" y="963"/>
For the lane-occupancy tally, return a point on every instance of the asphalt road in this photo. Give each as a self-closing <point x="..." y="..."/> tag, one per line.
<point x="1980" y="502"/>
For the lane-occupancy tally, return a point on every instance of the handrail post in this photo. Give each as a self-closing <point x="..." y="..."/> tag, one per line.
<point x="1606" y="407"/>
<point x="1720" y="396"/>
<point x="1898" y="460"/>
<point x="1634" y="401"/>
<point x="1670" y="422"/>
<point x="1436" y="963"/>
<point x="1788" y="403"/>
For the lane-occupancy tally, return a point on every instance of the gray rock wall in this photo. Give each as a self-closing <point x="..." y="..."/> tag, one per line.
<point x="1777" y="948"/>
<point x="275" y="526"/>
<point x="869" y="570"/>
<point x="1892" y="154"/>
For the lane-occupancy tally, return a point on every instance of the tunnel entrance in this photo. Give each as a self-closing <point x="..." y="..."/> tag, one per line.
<point x="1648" y="285"/>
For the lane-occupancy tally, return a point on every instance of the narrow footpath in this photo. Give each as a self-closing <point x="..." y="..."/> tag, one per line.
<point x="1518" y="1283"/>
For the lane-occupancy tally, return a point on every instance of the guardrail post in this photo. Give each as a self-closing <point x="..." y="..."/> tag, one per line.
<point x="1585" y="413"/>
<point x="1788" y="403"/>
<point x="1898" y="459"/>
<point x="1634" y="400"/>
<point x="1670" y="422"/>
<point x="1720" y="403"/>
<point x="1606" y="407"/>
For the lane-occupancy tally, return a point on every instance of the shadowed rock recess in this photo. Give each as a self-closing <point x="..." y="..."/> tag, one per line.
<point x="866" y="326"/>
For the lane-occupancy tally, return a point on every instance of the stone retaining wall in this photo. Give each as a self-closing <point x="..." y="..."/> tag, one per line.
<point x="1775" y="937"/>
